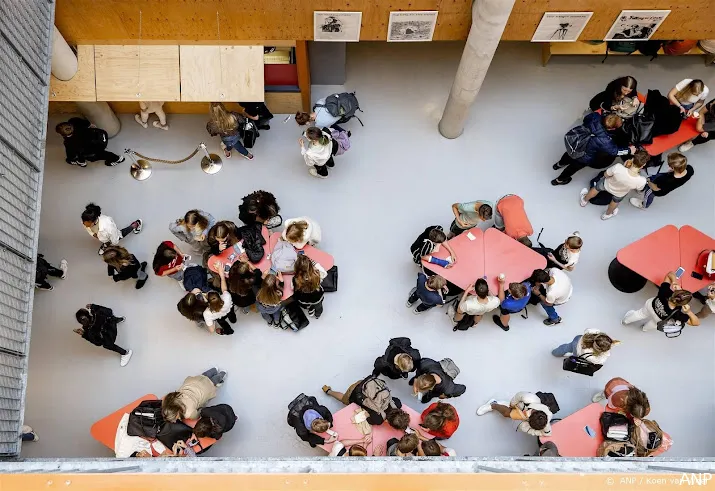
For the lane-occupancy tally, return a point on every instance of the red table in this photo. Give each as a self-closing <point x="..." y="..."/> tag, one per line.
<point x="225" y="257"/>
<point x="346" y="430"/>
<point x="321" y="257"/>
<point x="653" y="256"/>
<point x="470" y="259"/>
<point x="686" y="132"/>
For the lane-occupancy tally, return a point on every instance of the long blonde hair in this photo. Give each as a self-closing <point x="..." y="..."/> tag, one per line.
<point x="223" y="120"/>
<point x="306" y="276"/>
<point x="270" y="293"/>
<point x="117" y="257"/>
<point x="694" y="88"/>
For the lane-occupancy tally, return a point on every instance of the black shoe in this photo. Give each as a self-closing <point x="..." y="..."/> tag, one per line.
<point x="557" y="182"/>
<point x="141" y="283"/>
<point x="349" y="134"/>
<point x="558" y="165"/>
<point x="552" y="322"/>
<point x="265" y="127"/>
<point x="116" y="162"/>
<point x="232" y="317"/>
<point x="330" y="164"/>
<point x="497" y="321"/>
<point x="700" y="297"/>
<point x="143" y="266"/>
<point x="46" y="288"/>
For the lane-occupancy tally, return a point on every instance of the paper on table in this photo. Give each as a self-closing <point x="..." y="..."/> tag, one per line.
<point x="470" y="236"/>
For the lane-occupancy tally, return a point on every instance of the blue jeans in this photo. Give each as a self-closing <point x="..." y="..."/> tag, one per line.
<point x="550" y="311"/>
<point x="568" y="347"/>
<point x="270" y="313"/>
<point x="232" y="142"/>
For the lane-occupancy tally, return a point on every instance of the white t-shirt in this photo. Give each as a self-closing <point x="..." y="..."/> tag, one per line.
<point x="210" y="316"/>
<point x="566" y="256"/>
<point x="561" y="289"/>
<point x="620" y="181"/>
<point x="472" y="306"/>
<point x="693" y="98"/>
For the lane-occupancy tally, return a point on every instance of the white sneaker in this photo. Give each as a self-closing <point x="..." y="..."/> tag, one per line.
<point x="638" y="203"/>
<point x="598" y="397"/>
<point x="608" y="216"/>
<point x="124" y="359"/>
<point x="685" y="147"/>
<point x="63" y="267"/>
<point x="582" y="197"/>
<point x="314" y="173"/>
<point x="486" y="408"/>
<point x="623" y="321"/>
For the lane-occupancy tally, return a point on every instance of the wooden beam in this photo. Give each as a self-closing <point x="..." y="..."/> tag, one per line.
<point x="303" y="63"/>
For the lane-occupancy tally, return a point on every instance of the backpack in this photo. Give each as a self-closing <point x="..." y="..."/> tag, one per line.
<point x="296" y="407"/>
<point x="283" y="257"/>
<point x="608" y="420"/>
<point x="252" y="242"/>
<point x="609" y="448"/>
<point x="293" y="318"/>
<point x="549" y="400"/>
<point x="646" y="437"/>
<point x="449" y="367"/>
<point x="373" y="394"/>
<point x="576" y="140"/>
<point x="343" y="140"/>
<point x="679" y="47"/>
<point x="344" y="105"/>
<point x="145" y="420"/>
<point x="626" y="47"/>
<point x="650" y="48"/>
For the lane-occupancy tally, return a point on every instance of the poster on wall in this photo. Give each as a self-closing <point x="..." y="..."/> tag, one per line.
<point x="337" y="26"/>
<point x="561" y="27"/>
<point x="412" y="26"/>
<point x="636" y="25"/>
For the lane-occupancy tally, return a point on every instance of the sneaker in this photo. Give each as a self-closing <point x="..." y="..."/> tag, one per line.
<point x="247" y="157"/>
<point x="638" y="203"/>
<point x="420" y="309"/>
<point x="607" y="216"/>
<point x="552" y="322"/>
<point x="102" y="248"/>
<point x="311" y="313"/>
<point x="558" y="165"/>
<point x="314" y="173"/>
<point x="273" y="222"/>
<point x="116" y="162"/>
<point x="497" y="321"/>
<point x="47" y="289"/>
<point x="685" y="147"/>
<point x="222" y="377"/>
<point x="139" y="225"/>
<point x="245" y="310"/>
<point x="557" y="182"/>
<point x="124" y="359"/>
<point x="350" y="133"/>
<point x="623" y="321"/>
<point x="582" y="197"/>
<point x="270" y="322"/>
<point x="80" y="164"/>
<point x="486" y="408"/>
<point x="120" y="319"/>
<point x="408" y="303"/>
<point x="598" y="397"/>
<point x="63" y="267"/>
<point x="140" y="283"/>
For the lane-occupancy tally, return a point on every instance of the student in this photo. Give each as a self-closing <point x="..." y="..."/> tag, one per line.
<point x="222" y="236"/>
<point x="618" y="181"/>
<point x="220" y="308"/>
<point x="432" y="381"/>
<point x="99" y="327"/>
<point x="566" y="255"/>
<point x="689" y="95"/>
<point x="121" y="265"/>
<point x="260" y="207"/>
<point x="551" y="288"/>
<point x="469" y="215"/>
<point x="547" y="449"/>
<point x="269" y="296"/>
<point x="227" y="125"/>
<point x="103" y="228"/>
<point x="664" y="183"/>
<point x="307" y="288"/>
<point x="432" y="448"/>
<point x="429" y="242"/>
<point x="478" y="304"/>
<point x="371" y="394"/>
<point x="192" y="306"/>
<point x="440" y="420"/>
<point x="705" y="126"/>
<point x="194" y="228"/>
<point x="356" y="447"/>
<point x="320" y="117"/>
<point x="534" y="417"/>
<point x="193" y="395"/>
<point x="27" y="434"/>
<point x="511" y="218"/>
<point x="318" y="148"/>
<point x="670" y="304"/>
<point x="620" y="96"/>
<point x="195" y="279"/>
<point x="84" y="141"/>
<point x="601" y="150"/>
<point x="397" y="418"/>
<point x="259" y="112"/>
<point x="594" y="346"/>
<point x="399" y="360"/>
<point x="242" y="277"/>
<point x="623" y="396"/>
<point x="429" y="291"/>
<point x="43" y="269"/>
<point x="170" y="261"/>
<point x="309" y="420"/>
<point x="302" y="231"/>
<point x="215" y="421"/>
<point x="708" y="301"/>
<point x="511" y="301"/>
<point x="404" y="447"/>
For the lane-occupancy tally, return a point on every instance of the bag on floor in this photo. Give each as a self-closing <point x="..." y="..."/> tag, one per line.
<point x="548" y="399"/>
<point x="580" y="365"/>
<point x="344" y="104"/>
<point x="609" y="419"/>
<point x="293" y="317"/>
<point x="647" y="437"/>
<point x="145" y="420"/>
<point x="609" y="448"/>
<point x="464" y="324"/>
<point x="343" y="140"/>
<point x="576" y="140"/>
<point x="330" y="282"/>
<point x="449" y="367"/>
<point x="248" y="133"/>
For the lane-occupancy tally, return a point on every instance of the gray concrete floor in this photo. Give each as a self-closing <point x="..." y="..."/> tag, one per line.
<point x="399" y="176"/>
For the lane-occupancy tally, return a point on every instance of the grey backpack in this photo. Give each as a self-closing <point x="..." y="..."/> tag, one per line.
<point x="283" y="257"/>
<point x="449" y="367"/>
<point x="344" y="105"/>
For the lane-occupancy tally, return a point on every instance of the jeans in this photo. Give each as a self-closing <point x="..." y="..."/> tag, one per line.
<point x="701" y="139"/>
<point x="645" y="313"/>
<point x="270" y="313"/>
<point x="568" y="347"/>
<point x="213" y="375"/>
<point x="232" y="142"/>
<point x="108" y="157"/>
<point x="550" y="311"/>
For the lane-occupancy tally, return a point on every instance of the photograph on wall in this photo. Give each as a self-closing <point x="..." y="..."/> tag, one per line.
<point x="561" y="27"/>
<point x="337" y="26"/>
<point x="636" y="25"/>
<point x="412" y="26"/>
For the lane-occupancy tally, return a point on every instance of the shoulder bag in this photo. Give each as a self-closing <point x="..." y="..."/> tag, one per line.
<point x="670" y="327"/>
<point x="579" y="364"/>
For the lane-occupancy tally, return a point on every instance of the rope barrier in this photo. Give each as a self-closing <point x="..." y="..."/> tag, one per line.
<point x="162" y="160"/>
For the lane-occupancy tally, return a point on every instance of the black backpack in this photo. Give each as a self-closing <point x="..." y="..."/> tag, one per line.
<point x="252" y="242"/>
<point x="626" y="47"/>
<point x="344" y="105"/>
<point x="248" y="133"/>
<point x="549" y="400"/>
<point x="650" y="48"/>
<point x="145" y="420"/>
<point x="576" y="140"/>
<point x="293" y="318"/>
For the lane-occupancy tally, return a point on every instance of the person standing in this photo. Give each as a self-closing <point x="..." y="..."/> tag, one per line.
<point x="469" y="215"/>
<point x="121" y="265"/>
<point x="432" y="381"/>
<point x="594" y="346"/>
<point x="307" y="288"/>
<point x="99" y="327"/>
<point x="220" y="308"/>
<point x="194" y="393"/>
<point x="43" y="269"/>
<point x="227" y="126"/>
<point x="476" y="305"/>
<point x="83" y="141"/>
<point x="669" y="305"/>
<point x="510" y="217"/>
<point x="269" y="296"/>
<point x="440" y="420"/>
<point x="259" y="112"/>
<point x="551" y="288"/>
<point x="430" y="242"/>
<point x="193" y="229"/>
<point x="103" y="228"/>
<point x="301" y="231"/>
<point x="318" y="149"/>
<point x="429" y="291"/>
<point x="169" y="261"/>
<point x="665" y="183"/>
<point x="399" y="360"/>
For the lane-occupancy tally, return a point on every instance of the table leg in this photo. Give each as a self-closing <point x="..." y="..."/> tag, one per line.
<point x="625" y="279"/>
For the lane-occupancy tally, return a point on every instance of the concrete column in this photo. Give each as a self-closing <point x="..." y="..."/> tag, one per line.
<point x="64" y="61"/>
<point x="489" y="18"/>
<point x="100" y="115"/>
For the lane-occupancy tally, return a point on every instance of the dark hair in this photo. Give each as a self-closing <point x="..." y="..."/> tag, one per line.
<point x="481" y="287"/>
<point x="259" y="203"/>
<point x="223" y="228"/>
<point x="240" y="279"/>
<point x="485" y="211"/>
<point x="317" y="135"/>
<point x="65" y="129"/>
<point x="302" y="117"/>
<point x="91" y="213"/>
<point x="215" y="301"/>
<point x="538" y="420"/>
<point x="436" y="235"/>
<point x="84" y="317"/>
<point x="525" y="240"/>
<point x="681" y="297"/>
<point x="539" y="276"/>
<point x="613" y="89"/>
<point x="397" y="418"/>
<point x="637" y="404"/>
<point x="164" y="255"/>
<point x="436" y="418"/>
<point x="431" y="448"/>
<point x="206" y="427"/>
<point x="192" y="307"/>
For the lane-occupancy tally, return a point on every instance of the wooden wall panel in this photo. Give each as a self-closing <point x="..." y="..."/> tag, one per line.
<point x="80" y="87"/>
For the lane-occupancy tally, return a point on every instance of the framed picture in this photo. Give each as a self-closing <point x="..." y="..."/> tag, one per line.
<point x="636" y="25"/>
<point x="337" y="26"/>
<point x="561" y="27"/>
<point x="411" y="26"/>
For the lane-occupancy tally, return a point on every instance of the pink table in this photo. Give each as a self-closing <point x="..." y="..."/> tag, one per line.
<point x="470" y="259"/>
<point x="687" y="131"/>
<point x="321" y="257"/>
<point x="225" y="257"/>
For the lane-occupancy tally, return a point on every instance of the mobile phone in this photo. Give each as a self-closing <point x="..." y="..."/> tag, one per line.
<point x="679" y="272"/>
<point x="589" y="431"/>
<point x="287" y="118"/>
<point x="697" y="276"/>
<point x="192" y="442"/>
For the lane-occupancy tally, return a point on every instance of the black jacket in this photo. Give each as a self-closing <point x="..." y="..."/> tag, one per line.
<point x="295" y="420"/>
<point x="253" y="241"/>
<point x="129" y="271"/>
<point x="42" y="269"/>
<point x="103" y="331"/>
<point x="85" y="142"/>
<point x="446" y="386"/>
<point x="385" y="365"/>
<point x="222" y="414"/>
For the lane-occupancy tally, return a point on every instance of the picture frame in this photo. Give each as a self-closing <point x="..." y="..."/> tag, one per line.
<point x="636" y="25"/>
<point x="411" y="26"/>
<point x="338" y="27"/>
<point x="561" y="27"/>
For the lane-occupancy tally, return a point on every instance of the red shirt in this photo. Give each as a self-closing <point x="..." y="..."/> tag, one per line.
<point x="177" y="260"/>
<point x="450" y="426"/>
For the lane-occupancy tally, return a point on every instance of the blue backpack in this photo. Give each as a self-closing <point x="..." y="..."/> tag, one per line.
<point x="576" y="140"/>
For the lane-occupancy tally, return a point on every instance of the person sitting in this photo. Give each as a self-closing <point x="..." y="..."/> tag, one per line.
<point x="318" y="149"/>
<point x="432" y="381"/>
<point x="707" y="299"/>
<point x="600" y="150"/>
<point x="193" y="394"/>
<point x="618" y="181"/>
<point x="302" y="231"/>
<point x="121" y="265"/>
<point x="309" y="419"/>
<point x="260" y="207"/>
<point x="593" y="346"/>
<point x="705" y="126"/>
<point x="193" y="229"/>
<point x="664" y="183"/>
<point x="404" y="447"/>
<point x="371" y="394"/>
<point x="534" y="417"/>
<point x="550" y="288"/>
<point x="624" y="397"/>
<point x="429" y="291"/>
<point x="399" y="360"/>
<point x="566" y="255"/>
<point x="43" y="269"/>
<point x="99" y="327"/>
<point x="83" y="141"/>
<point x="215" y="421"/>
<point x="475" y="305"/>
<point x="471" y="214"/>
<point x="511" y="301"/>
<point x="432" y="448"/>
<point x="511" y="218"/>
<point x="689" y="95"/>
<point x="429" y="242"/>
<point x="440" y="420"/>
<point x="620" y="97"/>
